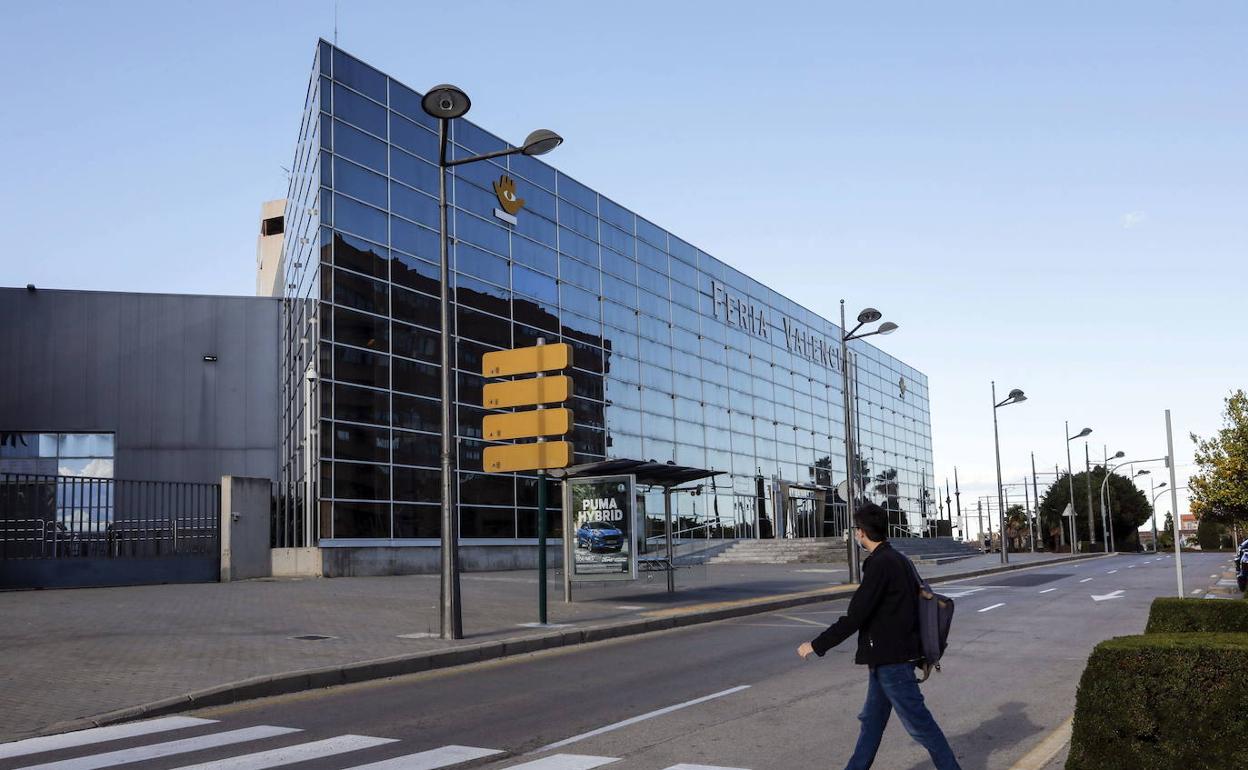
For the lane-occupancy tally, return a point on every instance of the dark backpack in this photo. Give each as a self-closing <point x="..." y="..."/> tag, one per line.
<point x="935" y="617"/>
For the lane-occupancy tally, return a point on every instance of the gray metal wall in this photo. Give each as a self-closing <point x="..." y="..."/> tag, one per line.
<point x="133" y="364"/>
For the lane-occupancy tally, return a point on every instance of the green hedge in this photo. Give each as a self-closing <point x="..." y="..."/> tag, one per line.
<point x="1162" y="701"/>
<point x="1175" y="616"/>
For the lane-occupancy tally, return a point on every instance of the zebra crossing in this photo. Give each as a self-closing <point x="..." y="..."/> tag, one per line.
<point x="25" y="754"/>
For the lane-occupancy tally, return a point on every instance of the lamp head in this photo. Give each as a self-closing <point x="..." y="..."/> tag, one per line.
<point x="1084" y="432"/>
<point x="1119" y="454"/>
<point x="888" y="327"/>
<point x="445" y="102"/>
<point x="1017" y="395"/>
<point x="1162" y="484"/>
<point x="541" y="142"/>
<point x="1143" y="472"/>
<point x="869" y="315"/>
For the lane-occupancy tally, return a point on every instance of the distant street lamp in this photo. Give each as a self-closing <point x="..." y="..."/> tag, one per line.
<point x="445" y="103"/>
<point x="1106" y="510"/>
<point x="867" y="316"/>
<point x="1070" y="474"/>
<point x="1016" y="397"/>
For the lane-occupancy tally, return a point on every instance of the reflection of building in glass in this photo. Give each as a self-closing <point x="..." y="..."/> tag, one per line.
<point x="677" y="355"/>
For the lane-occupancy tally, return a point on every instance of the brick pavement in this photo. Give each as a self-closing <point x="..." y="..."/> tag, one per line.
<point x="77" y="653"/>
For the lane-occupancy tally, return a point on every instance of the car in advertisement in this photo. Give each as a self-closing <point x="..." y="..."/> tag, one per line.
<point x="596" y="536"/>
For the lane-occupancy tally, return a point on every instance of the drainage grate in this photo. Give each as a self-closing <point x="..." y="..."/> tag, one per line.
<point x="313" y="637"/>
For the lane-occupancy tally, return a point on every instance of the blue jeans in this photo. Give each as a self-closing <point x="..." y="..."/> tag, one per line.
<point x="895" y="687"/>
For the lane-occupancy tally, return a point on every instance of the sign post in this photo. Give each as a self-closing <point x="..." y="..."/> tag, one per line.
<point x="542" y="455"/>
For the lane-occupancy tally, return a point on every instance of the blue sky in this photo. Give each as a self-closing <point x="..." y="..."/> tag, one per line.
<point x="1049" y="194"/>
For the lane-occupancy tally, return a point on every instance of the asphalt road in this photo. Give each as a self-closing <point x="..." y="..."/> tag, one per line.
<point x="1018" y="646"/>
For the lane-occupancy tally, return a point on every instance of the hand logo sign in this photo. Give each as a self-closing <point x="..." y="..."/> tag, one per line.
<point x="505" y="189"/>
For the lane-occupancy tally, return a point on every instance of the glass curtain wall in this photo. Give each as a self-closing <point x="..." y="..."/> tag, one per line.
<point x="677" y="355"/>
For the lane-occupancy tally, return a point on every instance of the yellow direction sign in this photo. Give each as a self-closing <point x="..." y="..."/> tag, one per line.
<point x="527" y="457"/>
<point x="540" y="358"/>
<point x="530" y="392"/>
<point x="540" y="422"/>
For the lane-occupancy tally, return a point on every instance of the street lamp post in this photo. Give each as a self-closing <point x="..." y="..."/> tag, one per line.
<point x="445" y="103"/>
<point x="1152" y="495"/>
<point x="867" y="316"/>
<point x="1016" y="396"/>
<point x="1070" y="474"/>
<point x="1104" y="524"/>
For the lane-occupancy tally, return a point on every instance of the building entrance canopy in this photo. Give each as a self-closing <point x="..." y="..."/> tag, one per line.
<point x="647" y="472"/>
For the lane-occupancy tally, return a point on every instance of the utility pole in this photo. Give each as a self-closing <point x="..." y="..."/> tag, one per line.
<point x="957" y="494"/>
<point x="1031" y="532"/>
<point x="1035" y="489"/>
<point x="1087" y="464"/>
<point x="979" y="506"/>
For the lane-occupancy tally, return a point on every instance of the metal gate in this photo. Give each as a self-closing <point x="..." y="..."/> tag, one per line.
<point x="72" y="531"/>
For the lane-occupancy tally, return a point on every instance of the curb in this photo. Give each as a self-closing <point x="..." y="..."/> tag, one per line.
<point x="385" y="668"/>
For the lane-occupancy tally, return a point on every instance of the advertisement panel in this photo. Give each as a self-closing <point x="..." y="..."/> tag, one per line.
<point x="600" y="528"/>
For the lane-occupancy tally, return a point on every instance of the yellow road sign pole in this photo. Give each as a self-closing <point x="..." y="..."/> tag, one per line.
<point x="541" y="520"/>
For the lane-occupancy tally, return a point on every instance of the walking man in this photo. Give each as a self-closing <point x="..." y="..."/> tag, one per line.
<point x="885" y="613"/>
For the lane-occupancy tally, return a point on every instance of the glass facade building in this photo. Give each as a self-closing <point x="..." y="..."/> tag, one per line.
<point x="677" y="356"/>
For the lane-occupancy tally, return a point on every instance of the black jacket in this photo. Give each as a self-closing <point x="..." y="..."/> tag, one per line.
<point x="884" y="611"/>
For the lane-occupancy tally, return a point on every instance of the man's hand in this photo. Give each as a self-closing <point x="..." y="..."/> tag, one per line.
<point x="805" y="651"/>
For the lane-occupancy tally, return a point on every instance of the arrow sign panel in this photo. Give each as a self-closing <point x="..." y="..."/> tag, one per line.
<point x="527" y="457"/>
<point x="1114" y="595"/>
<point x="542" y="422"/>
<point x="538" y="390"/>
<point x="539" y="358"/>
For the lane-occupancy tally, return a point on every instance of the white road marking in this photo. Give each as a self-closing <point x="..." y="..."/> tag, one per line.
<point x="1130" y="566"/>
<point x="544" y="625"/>
<point x="432" y="759"/>
<point x="802" y="620"/>
<point x="639" y="718"/>
<point x="630" y="607"/>
<point x="820" y="571"/>
<point x="992" y="606"/>
<point x="169" y="748"/>
<point x="1112" y="571"/>
<point x="1045" y="591"/>
<point x="566" y="762"/>
<point x="1085" y="580"/>
<point x="1213" y="576"/>
<point x="97" y="735"/>
<point x="288" y="755"/>
<point x="1104" y="597"/>
<point x="419" y="635"/>
<point x="1198" y="590"/>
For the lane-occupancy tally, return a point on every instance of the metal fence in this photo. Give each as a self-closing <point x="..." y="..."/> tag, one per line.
<point x="66" y="517"/>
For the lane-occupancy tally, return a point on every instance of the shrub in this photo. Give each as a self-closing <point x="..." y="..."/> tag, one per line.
<point x="1178" y="616"/>
<point x="1162" y="701"/>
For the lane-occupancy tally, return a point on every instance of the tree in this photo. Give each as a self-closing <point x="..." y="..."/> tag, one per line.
<point x="1165" y="536"/>
<point x="1219" y="491"/>
<point x="1209" y="534"/>
<point x="1128" y="505"/>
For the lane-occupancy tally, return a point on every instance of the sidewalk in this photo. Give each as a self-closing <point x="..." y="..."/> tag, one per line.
<point x="74" y="654"/>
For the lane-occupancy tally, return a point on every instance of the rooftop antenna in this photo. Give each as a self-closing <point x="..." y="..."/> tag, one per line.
<point x="335" y="23"/>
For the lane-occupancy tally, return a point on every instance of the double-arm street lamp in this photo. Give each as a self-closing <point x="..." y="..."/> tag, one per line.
<point x="1016" y="396"/>
<point x="1161" y="490"/>
<point x="1070" y="475"/>
<point x="445" y="103"/>
<point x="1107" y="515"/>
<point x="867" y="316"/>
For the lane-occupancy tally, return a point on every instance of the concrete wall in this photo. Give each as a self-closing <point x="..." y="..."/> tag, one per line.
<point x="245" y="517"/>
<point x="270" y="275"/>
<point x="133" y="364"/>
